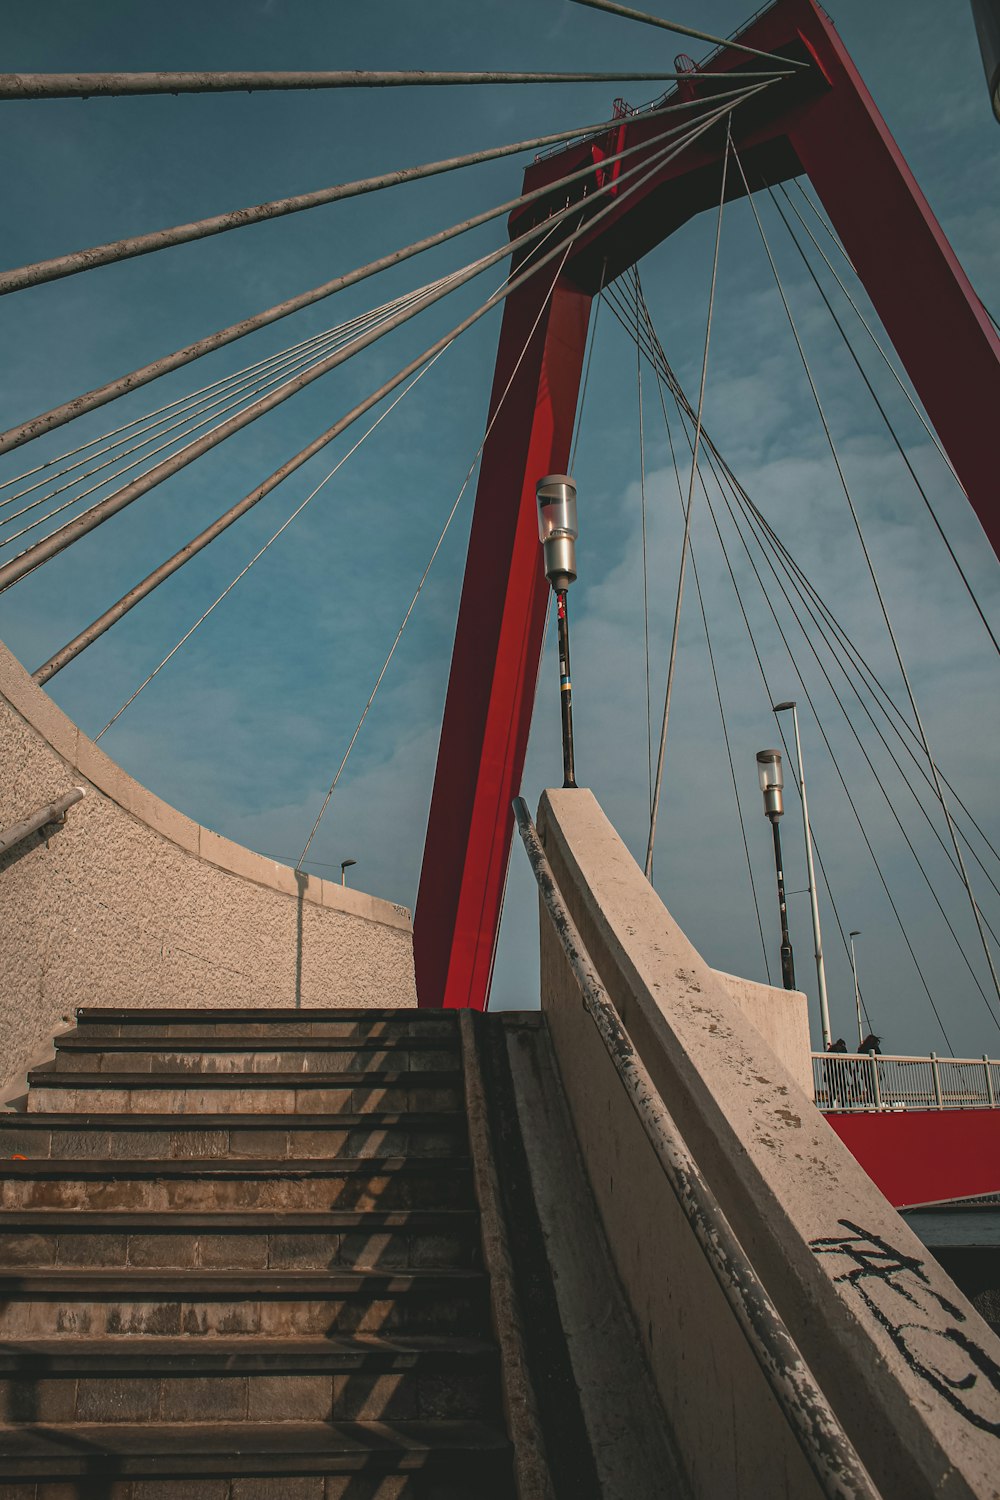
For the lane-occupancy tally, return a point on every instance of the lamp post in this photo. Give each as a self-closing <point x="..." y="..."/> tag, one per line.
<point x="345" y="865"/>
<point x="857" y="989"/>
<point x="771" y="782"/>
<point x="557" y="530"/>
<point x="824" y="1003"/>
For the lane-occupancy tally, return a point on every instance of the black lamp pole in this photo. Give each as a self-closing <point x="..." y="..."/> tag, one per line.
<point x="565" y="690"/>
<point x="557" y="530"/>
<point x="772" y="781"/>
<point x="787" y="960"/>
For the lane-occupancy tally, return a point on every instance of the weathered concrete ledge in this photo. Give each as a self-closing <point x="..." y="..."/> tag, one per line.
<point x="911" y="1370"/>
<point x="132" y="903"/>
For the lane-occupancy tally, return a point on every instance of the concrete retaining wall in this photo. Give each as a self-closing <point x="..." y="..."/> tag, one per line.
<point x="911" y="1370"/>
<point x="132" y="903"/>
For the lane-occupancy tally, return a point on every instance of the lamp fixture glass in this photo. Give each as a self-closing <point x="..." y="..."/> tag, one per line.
<point x="772" y="780"/>
<point x="557" y="528"/>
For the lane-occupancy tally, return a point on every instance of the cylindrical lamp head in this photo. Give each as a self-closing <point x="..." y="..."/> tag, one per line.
<point x="557" y="528"/>
<point x="771" y="780"/>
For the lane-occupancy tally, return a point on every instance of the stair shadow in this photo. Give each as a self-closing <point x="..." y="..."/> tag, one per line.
<point x="101" y="1469"/>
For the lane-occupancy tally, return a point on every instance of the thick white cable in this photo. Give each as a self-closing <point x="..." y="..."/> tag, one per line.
<point x="260" y="553"/>
<point x="282" y="528"/>
<point x="39" y="552"/>
<point x="658" y="780"/>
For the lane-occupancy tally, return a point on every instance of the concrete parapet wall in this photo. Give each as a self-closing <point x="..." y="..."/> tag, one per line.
<point x="132" y="903"/>
<point x="781" y="1017"/>
<point x="911" y="1370"/>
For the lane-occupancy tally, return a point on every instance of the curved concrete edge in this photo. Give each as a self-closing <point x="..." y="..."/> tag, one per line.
<point x="910" y="1368"/>
<point x="86" y="759"/>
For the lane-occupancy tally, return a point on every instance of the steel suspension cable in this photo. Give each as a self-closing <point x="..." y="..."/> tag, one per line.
<point x="657" y="361"/>
<point x="586" y="369"/>
<point x="370" y="321"/>
<point x="661" y="752"/>
<point x="914" y="405"/>
<point x="193" y="401"/>
<point x="100" y="395"/>
<point x="740" y="494"/>
<point x="885" y="418"/>
<point x="626" y="11"/>
<point x="128" y="248"/>
<point x="843" y="640"/>
<point x="918" y="721"/>
<point x="641" y="304"/>
<point x="831" y="634"/>
<point x="116" y="85"/>
<point x="129" y="600"/>
<point x="880" y="696"/>
<point x="871" y="766"/>
<point x="271" y="539"/>
<point x="430" y="562"/>
<point x="645" y="567"/>
<point x="687" y="414"/>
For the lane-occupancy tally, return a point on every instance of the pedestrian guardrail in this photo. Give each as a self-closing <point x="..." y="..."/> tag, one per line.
<point x="845" y="1082"/>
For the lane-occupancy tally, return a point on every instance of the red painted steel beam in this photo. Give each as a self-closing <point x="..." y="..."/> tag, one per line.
<point x="821" y="121"/>
<point x="927" y="305"/>
<point x="925" y="1155"/>
<point x="498" y="641"/>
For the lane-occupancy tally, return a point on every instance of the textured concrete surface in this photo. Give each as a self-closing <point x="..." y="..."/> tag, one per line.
<point x="633" y="1456"/>
<point x="781" y="1017"/>
<point x="132" y="903"/>
<point x="912" y="1371"/>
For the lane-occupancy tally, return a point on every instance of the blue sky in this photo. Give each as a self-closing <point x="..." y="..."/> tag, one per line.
<point x="244" y="729"/>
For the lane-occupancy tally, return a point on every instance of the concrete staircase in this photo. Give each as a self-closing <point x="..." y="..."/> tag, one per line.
<point x="240" y="1258"/>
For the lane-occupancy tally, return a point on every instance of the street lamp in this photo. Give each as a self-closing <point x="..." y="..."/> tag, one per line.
<point x="772" y="781"/>
<point x="857" y="989"/>
<point x="824" y="1003"/>
<point x="557" y="530"/>
<point x="345" y="865"/>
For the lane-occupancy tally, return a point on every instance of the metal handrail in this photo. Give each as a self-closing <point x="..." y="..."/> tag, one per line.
<point x="53" y="812"/>
<point x="853" y="1082"/>
<point x="828" y="1450"/>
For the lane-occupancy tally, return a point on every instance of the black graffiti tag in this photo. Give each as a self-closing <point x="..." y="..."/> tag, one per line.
<point x="897" y="1290"/>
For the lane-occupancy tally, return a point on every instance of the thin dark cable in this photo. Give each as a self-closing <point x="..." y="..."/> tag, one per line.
<point x="641" y="302"/>
<point x="586" y="370"/>
<point x="688" y="514"/>
<point x="888" y="422"/>
<point x="423" y="578"/>
<point x="856" y="659"/>
<point x="688" y="414"/>
<point x="645" y="566"/>
<point x="918" y="721"/>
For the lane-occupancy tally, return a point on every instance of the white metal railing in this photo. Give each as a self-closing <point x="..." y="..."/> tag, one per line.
<point x="855" y="1081"/>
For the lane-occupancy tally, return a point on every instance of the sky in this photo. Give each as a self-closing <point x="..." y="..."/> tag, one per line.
<point x="245" y="727"/>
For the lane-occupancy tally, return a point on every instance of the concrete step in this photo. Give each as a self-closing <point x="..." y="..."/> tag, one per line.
<point x="241" y="1093"/>
<point x="243" y="1016"/>
<point x="243" y="1380"/>
<point x="286" y="1461"/>
<point x="157" y="1053"/>
<point x="114" y="1136"/>
<point x="372" y="1240"/>
<point x="258" y="1304"/>
<point x="334" y="1025"/>
<point x="203" y="1185"/>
